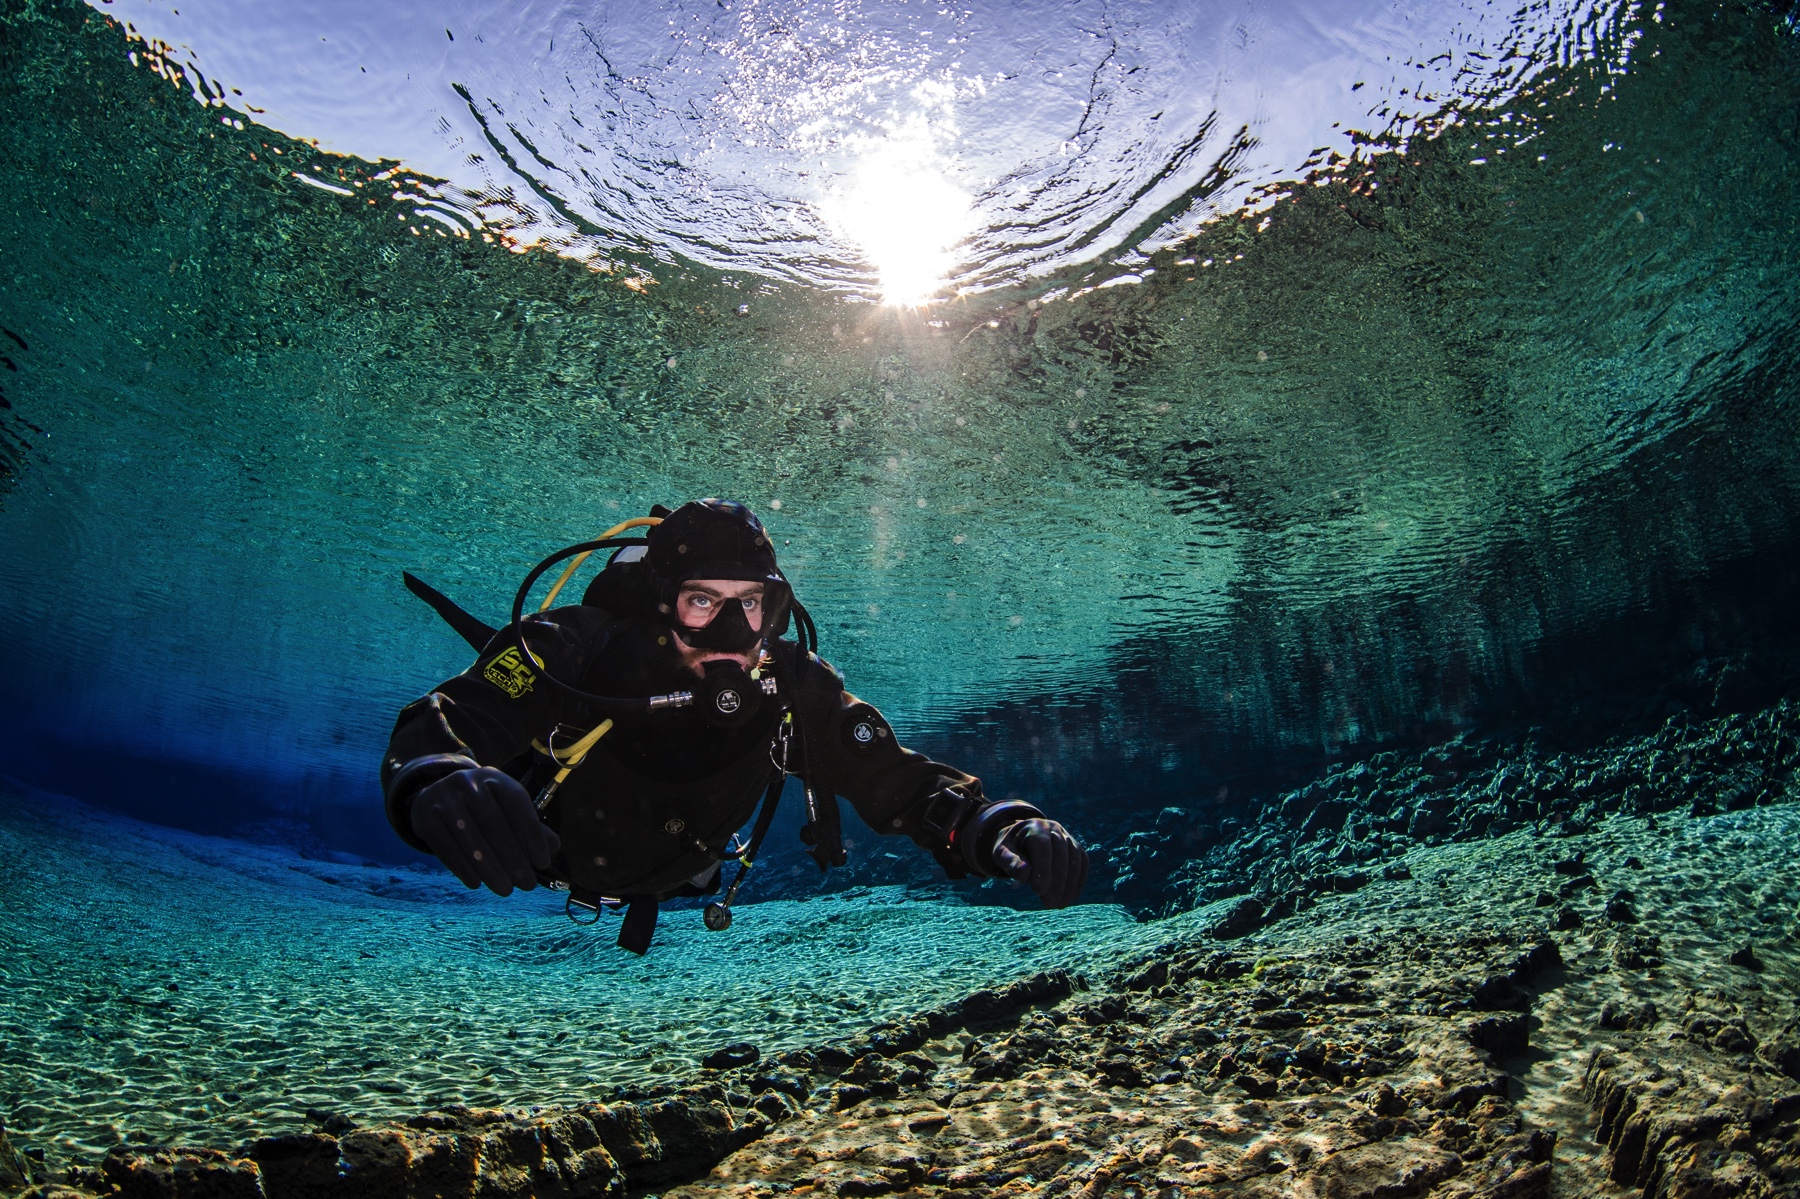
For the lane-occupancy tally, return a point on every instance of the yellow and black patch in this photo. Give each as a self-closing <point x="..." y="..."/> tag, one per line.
<point x="509" y="672"/>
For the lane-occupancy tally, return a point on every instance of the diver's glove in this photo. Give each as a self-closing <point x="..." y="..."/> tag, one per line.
<point x="1042" y="853"/>
<point x="482" y="824"/>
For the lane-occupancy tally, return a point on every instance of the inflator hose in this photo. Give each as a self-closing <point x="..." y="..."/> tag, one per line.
<point x="615" y="704"/>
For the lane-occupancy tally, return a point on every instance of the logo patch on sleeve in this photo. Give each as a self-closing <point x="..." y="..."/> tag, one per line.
<point x="864" y="730"/>
<point x="509" y="673"/>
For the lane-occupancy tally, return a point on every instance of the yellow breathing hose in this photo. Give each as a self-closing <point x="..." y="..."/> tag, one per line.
<point x="568" y="573"/>
<point x="580" y="749"/>
<point x="576" y="753"/>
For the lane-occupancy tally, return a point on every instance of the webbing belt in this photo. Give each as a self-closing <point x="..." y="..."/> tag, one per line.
<point x="640" y="916"/>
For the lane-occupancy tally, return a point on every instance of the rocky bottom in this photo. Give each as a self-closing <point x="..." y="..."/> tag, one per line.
<point x="1525" y="1016"/>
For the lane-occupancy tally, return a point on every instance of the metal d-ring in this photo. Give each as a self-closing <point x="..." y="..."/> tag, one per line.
<point x="596" y="910"/>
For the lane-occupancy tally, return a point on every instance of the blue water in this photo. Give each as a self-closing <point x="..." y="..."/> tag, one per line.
<point x="1154" y="406"/>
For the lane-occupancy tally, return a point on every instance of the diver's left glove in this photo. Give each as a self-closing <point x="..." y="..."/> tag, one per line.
<point x="1043" y="854"/>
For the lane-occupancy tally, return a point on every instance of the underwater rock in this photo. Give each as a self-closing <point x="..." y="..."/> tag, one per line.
<point x="1782" y="1051"/>
<point x="693" y="1135"/>
<point x="1637" y="951"/>
<point x="999" y="1003"/>
<point x="1693" y="1131"/>
<point x="331" y="1122"/>
<point x="1243" y="919"/>
<point x="1502" y="1036"/>
<point x="1355" y="822"/>
<point x="300" y="1165"/>
<point x="180" y="1174"/>
<point x="15" y="1170"/>
<point x="1627" y="1017"/>
<point x="741" y="1053"/>
<point x="584" y="1152"/>
<point x="1745" y="957"/>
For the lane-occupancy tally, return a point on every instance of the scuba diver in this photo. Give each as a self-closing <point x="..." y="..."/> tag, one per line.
<point x="614" y="748"/>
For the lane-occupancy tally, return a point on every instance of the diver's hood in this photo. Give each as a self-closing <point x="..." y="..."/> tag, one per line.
<point x="706" y="539"/>
<point x="712" y="539"/>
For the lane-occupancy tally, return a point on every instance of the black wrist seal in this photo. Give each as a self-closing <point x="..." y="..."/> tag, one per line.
<point x="412" y="778"/>
<point x="969" y="825"/>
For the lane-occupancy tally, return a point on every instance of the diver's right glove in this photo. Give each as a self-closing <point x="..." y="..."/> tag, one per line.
<point x="1008" y="838"/>
<point x="1043" y="854"/>
<point x="482" y="824"/>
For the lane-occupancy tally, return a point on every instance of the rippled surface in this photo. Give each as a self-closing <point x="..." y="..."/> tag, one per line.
<point x="830" y="143"/>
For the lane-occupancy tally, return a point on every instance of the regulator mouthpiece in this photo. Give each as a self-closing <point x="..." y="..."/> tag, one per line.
<point x="728" y="696"/>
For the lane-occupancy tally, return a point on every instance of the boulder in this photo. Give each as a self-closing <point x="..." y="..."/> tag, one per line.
<point x="1329" y="816"/>
<point x="1503" y="1036"/>
<point x="1240" y="920"/>
<point x="740" y="1053"/>
<point x="180" y="1174"/>
<point x="15" y="1171"/>
<point x="1782" y="1050"/>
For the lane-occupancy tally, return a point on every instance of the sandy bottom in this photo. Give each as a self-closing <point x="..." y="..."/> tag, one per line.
<point x="157" y="986"/>
<point x="160" y="987"/>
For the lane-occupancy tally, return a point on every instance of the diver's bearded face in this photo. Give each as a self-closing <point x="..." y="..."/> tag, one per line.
<point x="702" y="601"/>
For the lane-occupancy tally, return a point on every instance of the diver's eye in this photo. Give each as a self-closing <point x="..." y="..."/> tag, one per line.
<point x="749" y="604"/>
<point x="700" y="601"/>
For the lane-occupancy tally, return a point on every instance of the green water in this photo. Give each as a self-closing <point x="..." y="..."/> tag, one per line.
<point x="1425" y="428"/>
<point x="1432" y="413"/>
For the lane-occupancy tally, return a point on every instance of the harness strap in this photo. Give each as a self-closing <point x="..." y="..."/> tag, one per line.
<point x="639" y="923"/>
<point x="770" y="801"/>
<point x="825" y="831"/>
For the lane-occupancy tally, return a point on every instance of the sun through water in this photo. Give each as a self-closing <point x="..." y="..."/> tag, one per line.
<point x="907" y="216"/>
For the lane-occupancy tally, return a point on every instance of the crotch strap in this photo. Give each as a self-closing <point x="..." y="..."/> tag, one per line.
<point x="638" y="926"/>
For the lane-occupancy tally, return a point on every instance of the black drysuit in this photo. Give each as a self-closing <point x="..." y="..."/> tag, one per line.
<point x="652" y="806"/>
